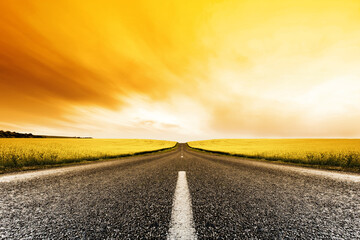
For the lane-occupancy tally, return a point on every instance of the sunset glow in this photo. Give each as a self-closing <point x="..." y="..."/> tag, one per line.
<point x="181" y="70"/>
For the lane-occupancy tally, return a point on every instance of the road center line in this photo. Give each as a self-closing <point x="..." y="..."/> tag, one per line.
<point x="182" y="224"/>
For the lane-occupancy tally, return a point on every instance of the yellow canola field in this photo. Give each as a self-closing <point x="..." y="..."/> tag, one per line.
<point x="31" y="152"/>
<point x="330" y="152"/>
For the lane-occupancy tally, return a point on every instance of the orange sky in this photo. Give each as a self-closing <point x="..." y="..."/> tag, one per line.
<point x="181" y="70"/>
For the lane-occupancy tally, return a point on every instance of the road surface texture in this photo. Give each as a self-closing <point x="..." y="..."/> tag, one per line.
<point x="219" y="197"/>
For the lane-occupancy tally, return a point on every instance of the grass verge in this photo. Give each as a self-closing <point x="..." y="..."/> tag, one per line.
<point x="338" y="157"/>
<point x="22" y="155"/>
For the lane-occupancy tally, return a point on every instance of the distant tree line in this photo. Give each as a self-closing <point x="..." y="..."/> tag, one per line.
<point x="9" y="134"/>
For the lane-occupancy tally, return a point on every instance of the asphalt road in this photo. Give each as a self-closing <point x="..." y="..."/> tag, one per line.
<point x="132" y="198"/>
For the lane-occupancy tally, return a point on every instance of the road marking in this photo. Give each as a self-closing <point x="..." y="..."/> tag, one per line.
<point x="29" y="175"/>
<point x="182" y="224"/>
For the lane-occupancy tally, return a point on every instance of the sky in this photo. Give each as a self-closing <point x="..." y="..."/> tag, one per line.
<point x="181" y="70"/>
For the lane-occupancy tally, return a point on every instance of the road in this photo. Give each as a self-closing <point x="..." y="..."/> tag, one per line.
<point x="214" y="197"/>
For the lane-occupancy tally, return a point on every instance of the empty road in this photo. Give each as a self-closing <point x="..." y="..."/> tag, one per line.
<point x="181" y="194"/>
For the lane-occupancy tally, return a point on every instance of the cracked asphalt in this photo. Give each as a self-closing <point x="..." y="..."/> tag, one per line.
<point x="131" y="198"/>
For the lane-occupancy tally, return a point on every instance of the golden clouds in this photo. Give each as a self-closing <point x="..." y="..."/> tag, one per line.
<point x="91" y="52"/>
<point x="250" y="67"/>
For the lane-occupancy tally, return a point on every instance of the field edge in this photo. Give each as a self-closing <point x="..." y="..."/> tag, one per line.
<point x="322" y="167"/>
<point x="82" y="162"/>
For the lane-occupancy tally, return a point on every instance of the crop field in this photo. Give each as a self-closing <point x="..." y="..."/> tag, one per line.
<point x="17" y="153"/>
<point x="343" y="153"/>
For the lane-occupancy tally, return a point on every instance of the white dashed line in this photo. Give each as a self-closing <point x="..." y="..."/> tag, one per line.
<point x="182" y="224"/>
